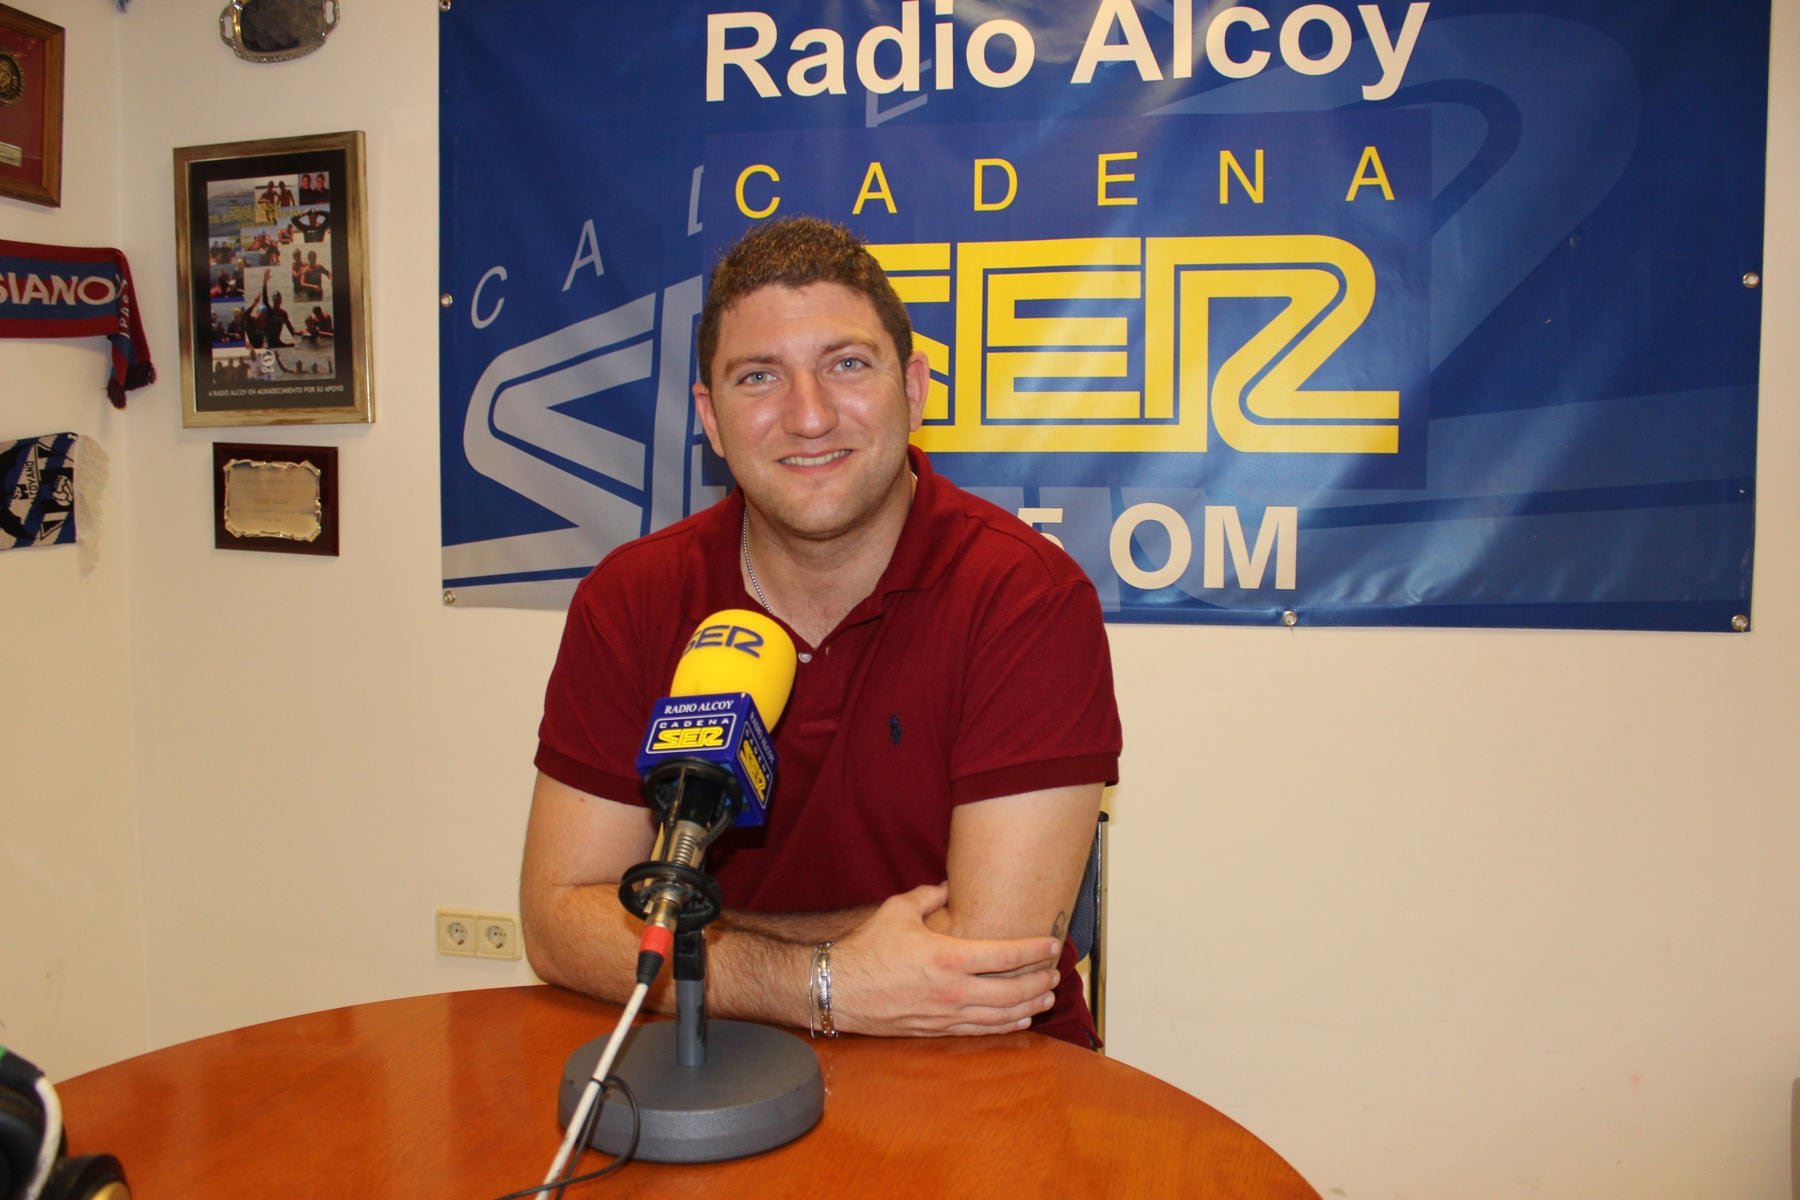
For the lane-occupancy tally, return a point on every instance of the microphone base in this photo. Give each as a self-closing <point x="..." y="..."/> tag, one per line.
<point x="759" y="1088"/>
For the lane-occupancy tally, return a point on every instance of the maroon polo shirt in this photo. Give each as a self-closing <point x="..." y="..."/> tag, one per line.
<point x="977" y="668"/>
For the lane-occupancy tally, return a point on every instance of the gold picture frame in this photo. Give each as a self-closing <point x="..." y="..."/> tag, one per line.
<point x="258" y="224"/>
<point x="31" y="108"/>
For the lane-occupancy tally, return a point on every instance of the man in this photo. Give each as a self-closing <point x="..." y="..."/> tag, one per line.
<point x="318" y="325"/>
<point x="253" y="317"/>
<point x="226" y="283"/>
<point x="313" y="277"/>
<point x="275" y="317"/>
<point x="312" y="223"/>
<point x="952" y="724"/>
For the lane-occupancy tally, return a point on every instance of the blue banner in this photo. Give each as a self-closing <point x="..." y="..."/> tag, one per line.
<point x="1414" y="313"/>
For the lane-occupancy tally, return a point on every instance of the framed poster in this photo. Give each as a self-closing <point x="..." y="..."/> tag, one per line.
<point x="31" y="107"/>
<point x="277" y="498"/>
<point x="272" y="264"/>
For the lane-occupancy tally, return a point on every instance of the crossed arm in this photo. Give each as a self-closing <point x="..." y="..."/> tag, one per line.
<point x="976" y="954"/>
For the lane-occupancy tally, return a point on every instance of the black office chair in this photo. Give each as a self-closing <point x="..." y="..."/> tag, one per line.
<point x="1087" y="927"/>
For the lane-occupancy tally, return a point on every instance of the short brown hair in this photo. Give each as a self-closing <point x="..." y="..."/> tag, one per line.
<point x="793" y="252"/>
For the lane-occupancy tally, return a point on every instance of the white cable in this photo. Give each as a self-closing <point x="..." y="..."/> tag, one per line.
<point x="595" y="1085"/>
<point x="52" y="1142"/>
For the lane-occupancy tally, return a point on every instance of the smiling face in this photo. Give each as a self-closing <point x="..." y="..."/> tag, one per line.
<point x="811" y="406"/>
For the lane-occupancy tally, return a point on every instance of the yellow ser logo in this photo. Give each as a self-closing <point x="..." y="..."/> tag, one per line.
<point x="990" y="399"/>
<point x="759" y="782"/>
<point x="696" y="737"/>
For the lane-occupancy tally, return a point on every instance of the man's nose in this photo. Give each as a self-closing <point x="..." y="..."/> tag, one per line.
<point x="811" y="411"/>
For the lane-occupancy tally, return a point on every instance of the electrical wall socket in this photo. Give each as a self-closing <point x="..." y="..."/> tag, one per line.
<point x="496" y="935"/>
<point x="472" y="934"/>
<point x="455" y="932"/>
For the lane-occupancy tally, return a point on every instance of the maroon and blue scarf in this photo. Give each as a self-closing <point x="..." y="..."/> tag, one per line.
<point x="76" y="291"/>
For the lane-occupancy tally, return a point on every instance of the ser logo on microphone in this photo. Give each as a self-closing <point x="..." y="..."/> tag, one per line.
<point x="697" y="737"/>
<point x="731" y="684"/>
<point x="732" y="637"/>
<point x="754" y="773"/>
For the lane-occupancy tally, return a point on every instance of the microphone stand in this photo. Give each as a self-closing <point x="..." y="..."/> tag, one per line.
<point x="705" y="1090"/>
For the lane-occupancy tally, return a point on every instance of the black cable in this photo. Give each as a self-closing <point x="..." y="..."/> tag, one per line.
<point x="586" y="1139"/>
<point x="587" y="1131"/>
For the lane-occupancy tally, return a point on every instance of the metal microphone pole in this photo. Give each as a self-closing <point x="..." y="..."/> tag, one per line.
<point x="705" y="1090"/>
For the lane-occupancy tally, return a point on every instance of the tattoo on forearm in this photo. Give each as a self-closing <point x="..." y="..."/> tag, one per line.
<point x="1062" y="923"/>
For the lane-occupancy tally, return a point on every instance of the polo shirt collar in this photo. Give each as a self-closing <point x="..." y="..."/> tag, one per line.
<point x="931" y="537"/>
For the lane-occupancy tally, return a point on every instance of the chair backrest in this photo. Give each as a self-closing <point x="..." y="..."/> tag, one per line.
<point x="1087" y="926"/>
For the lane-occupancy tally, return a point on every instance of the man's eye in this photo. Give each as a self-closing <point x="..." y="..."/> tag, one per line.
<point x="755" y="377"/>
<point x="850" y="363"/>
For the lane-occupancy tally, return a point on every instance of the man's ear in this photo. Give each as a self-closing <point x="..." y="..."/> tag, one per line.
<point x="709" y="421"/>
<point x="917" y="372"/>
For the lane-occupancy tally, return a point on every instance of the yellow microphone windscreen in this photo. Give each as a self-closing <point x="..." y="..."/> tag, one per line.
<point x="738" y="650"/>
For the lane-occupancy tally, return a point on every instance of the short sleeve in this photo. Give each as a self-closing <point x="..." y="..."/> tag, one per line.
<point x="1038" y="704"/>
<point x="596" y="702"/>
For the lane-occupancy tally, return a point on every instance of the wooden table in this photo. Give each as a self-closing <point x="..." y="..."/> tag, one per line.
<point x="454" y="1096"/>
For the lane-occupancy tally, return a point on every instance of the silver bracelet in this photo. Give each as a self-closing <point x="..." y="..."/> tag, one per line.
<point x="819" y="993"/>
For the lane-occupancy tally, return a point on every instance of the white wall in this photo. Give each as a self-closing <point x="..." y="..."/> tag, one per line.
<point x="1469" y="913"/>
<point x="326" y="753"/>
<point x="71" y="902"/>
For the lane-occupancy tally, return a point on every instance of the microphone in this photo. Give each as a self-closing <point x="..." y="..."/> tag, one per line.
<point x="707" y="763"/>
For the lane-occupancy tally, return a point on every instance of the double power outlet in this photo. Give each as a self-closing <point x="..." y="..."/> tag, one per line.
<point x="477" y="934"/>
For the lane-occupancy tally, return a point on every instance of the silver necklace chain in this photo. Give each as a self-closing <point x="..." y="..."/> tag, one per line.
<point x="744" y="548"/>
<point x="750" y="571"/>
